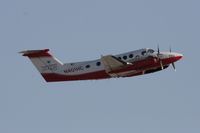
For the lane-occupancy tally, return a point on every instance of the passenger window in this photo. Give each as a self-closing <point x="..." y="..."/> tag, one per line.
<point x="131" y="56"/>
<point x="98" y="63"/>
<point x="88" y="66"/>
<point x="124" y="57"/>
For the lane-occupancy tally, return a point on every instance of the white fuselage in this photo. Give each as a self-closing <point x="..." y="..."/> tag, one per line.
<point x="128" y="64"/>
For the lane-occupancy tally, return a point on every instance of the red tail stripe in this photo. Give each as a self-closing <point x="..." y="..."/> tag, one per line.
<point x="37" y="53"/>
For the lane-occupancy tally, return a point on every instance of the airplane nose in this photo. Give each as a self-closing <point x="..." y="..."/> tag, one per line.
<point x="179" y="56"/>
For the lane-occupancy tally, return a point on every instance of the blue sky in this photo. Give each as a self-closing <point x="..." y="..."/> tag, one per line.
<point x="77" y="30"/>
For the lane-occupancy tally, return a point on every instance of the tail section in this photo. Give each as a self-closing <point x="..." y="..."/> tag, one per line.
<point x="43" y="61"/>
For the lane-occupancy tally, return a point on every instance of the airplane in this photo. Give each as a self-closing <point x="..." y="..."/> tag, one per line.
<point x="134" y="63"/>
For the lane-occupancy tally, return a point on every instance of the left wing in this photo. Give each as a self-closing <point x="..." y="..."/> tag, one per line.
<point x="112" y="63"/>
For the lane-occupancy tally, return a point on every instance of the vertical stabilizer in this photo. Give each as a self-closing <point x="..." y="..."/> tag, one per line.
<point x="43" y="61"/>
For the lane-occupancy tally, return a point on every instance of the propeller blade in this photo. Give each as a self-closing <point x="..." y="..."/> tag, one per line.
<point x="161" y="64"/>
<point x="158" y="49"/>
<point x="170" y="49"/>
<point x="173" y="64"/>
<point x="158" y="57"/>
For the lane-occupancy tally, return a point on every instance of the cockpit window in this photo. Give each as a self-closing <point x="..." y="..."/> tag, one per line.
<point x="144" y="52"/>
<point x="150" y="51"/>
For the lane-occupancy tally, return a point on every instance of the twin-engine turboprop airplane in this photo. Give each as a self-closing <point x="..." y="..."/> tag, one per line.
<point x="129" y="64"/>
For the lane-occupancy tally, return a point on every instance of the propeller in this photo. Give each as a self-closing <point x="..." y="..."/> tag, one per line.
<point x="158" y="47"/>
<point x="158" y="57"/>
<point x="173" y="64"/>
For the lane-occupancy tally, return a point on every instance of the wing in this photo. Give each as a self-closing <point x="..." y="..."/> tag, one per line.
<point x="112" y="63"/>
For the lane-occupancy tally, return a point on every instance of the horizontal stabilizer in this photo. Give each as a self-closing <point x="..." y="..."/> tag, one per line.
<point x="36" y="53"/>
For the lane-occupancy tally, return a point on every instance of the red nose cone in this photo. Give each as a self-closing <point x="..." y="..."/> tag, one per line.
<point x="178" y="57"/>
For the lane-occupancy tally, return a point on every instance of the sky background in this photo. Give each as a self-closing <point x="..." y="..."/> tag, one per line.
<point x="78" y="30"/>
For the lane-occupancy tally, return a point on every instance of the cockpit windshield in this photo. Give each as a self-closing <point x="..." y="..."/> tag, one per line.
<point x="150" y="51"/>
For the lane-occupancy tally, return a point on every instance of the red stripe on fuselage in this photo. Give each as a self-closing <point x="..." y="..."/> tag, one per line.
<point x="53" y="77"/>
